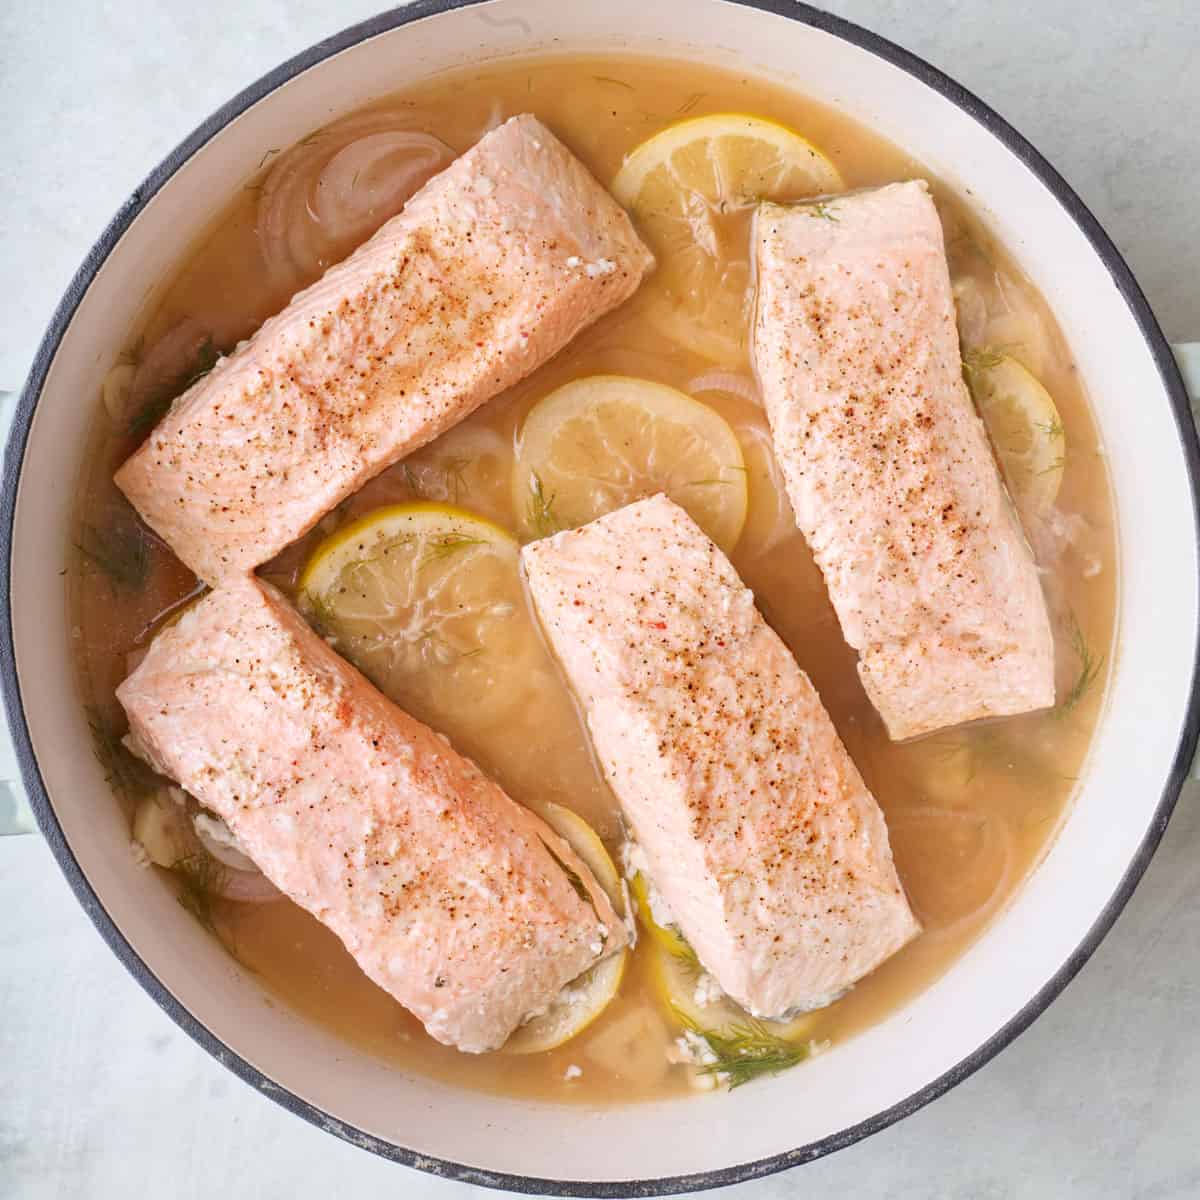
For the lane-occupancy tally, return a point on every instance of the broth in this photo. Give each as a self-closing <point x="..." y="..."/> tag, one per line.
<point x="969" y="810"/>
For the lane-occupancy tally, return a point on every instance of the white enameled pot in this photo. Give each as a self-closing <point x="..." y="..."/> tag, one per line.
<point x="1140" y="756"/>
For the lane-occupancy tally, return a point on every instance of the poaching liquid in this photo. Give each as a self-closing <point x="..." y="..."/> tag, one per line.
<point x="970" y="811"/>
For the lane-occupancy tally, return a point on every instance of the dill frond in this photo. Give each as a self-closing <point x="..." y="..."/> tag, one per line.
<point x="447" y="545"/>
<point x="158" y="406"/>
<point x="683" y="954"/>
<point x="540" y="511"/>
<point x="207" y="357"/>
<point x="444" y="654"/>
<point x="746" y="1050"/>
<point x="201" y="879"/>
<point x="821" y="210"/>
<point x="150" y="414"/>
<point x="577" y="884"/>
<point x="613" y="82"/>
<point x="1090" y="666"/>
<point x="122" y="770"/>
<point x="454" y="477"/>
<point x="320" y="614"/>
<point x="410" y="480"/>
<point x="120" y="550"/>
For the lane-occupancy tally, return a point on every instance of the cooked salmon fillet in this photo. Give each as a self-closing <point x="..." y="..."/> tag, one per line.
<point x="462" y="904"/>
<point x="491" y="268"/>
<point x="887" y="465"/>
<point x="758" y="830"/>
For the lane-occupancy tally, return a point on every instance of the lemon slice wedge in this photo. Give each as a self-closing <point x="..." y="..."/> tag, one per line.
<point x="425" y="599"/>
<point x="690" y="189"/>
<point x="682" y="985"/>
<point x="1024" y="426"/>
<point x="599" y="443"/>
<point x="582" y="1001"/>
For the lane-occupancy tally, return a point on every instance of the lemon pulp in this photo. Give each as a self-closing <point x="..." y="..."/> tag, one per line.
<point x="1024" y="426"/>
<point x="691" y="188"/>
<point x="425" y="599"/>
<point x="599" y="443"/>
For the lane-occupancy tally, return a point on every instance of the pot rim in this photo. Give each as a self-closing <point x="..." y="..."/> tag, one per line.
<point x="52" y="831"/>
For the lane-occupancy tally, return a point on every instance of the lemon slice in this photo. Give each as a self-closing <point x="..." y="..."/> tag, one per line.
<point x="770" y="519"/>
<point x="684" y="987"/>
<point x="598" y="443"/>
<point x="1024" y="426"/>
<point x="690" y="189"/>
<point x="426" y="601"/>
<point x="582" y="1001"/>
<point x="666" y="936"/>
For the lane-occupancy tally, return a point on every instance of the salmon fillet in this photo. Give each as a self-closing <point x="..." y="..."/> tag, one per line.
<point x="493" y="266"/>
<point x="756" y="826"/>
<point x="463" y="905"/>
<point x="888" y="466"/>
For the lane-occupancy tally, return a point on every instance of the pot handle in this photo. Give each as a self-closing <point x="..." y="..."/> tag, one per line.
<point x="15" y="815"/>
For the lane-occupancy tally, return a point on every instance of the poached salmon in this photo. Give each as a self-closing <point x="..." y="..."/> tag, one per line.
<point x="757" y="828"/>
<point x="492" y="267"/>
<point x="462" y="904"/>
<point x="888" y="466"/>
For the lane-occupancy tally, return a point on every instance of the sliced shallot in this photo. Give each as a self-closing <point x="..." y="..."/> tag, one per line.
<point x="330" y="192"/>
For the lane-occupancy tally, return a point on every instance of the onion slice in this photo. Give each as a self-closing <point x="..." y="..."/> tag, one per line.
<point x="970" y="862"/>
<point x="727" y="381"/>
<point x="331" y="191"/>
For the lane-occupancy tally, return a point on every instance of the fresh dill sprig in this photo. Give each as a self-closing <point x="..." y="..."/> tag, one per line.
<point x="1090" y="666"/>
<point x="153" y="411"/>
<point x="613" y="82"/>
<point x="821" y="210"/>
<point x="319" y="612"/>
<point x="454" y="476"/>
<point x="121" y="769"/>
<point x="201" y="880"/>
<point x="454" y="483"/>
<point x="207" y="356"/>
<point x="577" y="885"/>
<point x="121" y="551"/>
<point x="745" y="1050"/>
<point x="443" y="652"/>
<point x="984" y="748"/>
<point x="687" y="958"/>
<point x="448" y="544"/>
<point x="540" y="511"/>
<point x="149" y="415"/>
<point x="410" y="479"/>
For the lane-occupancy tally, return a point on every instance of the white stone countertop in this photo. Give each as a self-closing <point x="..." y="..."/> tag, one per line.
<point x="101" y="1096"/>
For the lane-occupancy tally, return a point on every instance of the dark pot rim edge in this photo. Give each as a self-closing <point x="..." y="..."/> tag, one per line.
<point x="48" y="822"/>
